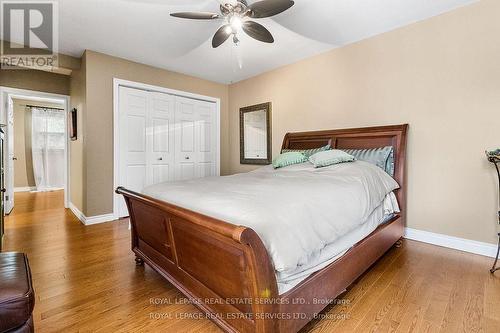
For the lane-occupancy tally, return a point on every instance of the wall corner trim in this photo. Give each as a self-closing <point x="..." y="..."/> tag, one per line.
<point x="462" y="244"/>
<point x="91" y="219"/>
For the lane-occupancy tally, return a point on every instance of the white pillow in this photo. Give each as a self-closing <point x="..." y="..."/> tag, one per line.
<point x="330" y="157"/>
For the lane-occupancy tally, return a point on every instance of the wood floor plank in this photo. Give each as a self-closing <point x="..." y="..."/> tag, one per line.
<point x="85" y="280"/>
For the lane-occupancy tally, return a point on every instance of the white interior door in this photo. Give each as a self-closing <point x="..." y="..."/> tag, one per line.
<point x="195" y="139"/>
<point x="9" y="158"/>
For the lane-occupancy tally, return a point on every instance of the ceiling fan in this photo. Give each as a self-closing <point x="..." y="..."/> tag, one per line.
<point x="236" y="14"/>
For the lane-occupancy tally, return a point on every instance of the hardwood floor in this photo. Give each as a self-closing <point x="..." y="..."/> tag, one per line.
<point x="85" y="280"/>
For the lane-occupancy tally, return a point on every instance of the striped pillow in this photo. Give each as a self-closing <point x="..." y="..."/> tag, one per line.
<point x="307" y="152"/>
<point x="382" y="157"/>
<point x="287" y="159"/>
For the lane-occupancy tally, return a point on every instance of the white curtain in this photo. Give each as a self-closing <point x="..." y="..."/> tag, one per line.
<point x="48" y="137"/>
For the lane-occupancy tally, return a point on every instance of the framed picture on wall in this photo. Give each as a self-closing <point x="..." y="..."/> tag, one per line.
<point x="73" y="124"/>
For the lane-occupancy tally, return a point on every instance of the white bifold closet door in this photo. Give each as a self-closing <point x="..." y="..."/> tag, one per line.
<point x="195" y="144"/>
<point x="164" y="138"/>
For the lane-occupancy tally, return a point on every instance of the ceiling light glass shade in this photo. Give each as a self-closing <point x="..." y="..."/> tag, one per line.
<point x="236" y="23"/>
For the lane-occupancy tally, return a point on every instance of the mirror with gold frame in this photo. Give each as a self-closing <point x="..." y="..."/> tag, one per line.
<point x="255" y="134"/>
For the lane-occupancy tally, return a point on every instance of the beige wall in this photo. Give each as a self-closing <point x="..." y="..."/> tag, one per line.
<point x="77" y="165"/>
<point x="442" y="76"/>
<point x="35" y="80"/>
<point x="23" y="166"/>
<point x="98" y="141"/>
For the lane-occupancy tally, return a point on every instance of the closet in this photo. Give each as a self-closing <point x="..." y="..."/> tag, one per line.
<point x="163" y="138"/>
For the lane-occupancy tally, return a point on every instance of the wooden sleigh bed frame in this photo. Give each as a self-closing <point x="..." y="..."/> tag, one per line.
<point x="225" y="270"/>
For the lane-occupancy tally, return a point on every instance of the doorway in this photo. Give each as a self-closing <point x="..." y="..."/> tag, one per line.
<point x="36" y="143"/>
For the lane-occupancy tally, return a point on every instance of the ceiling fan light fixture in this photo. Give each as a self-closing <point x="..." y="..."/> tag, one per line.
<point x="236" y="23"/>
<point x="237" y="15"/>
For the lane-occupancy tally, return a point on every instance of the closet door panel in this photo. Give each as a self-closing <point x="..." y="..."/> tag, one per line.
<point x="135" y="130"/>
<point x="136" y="177"/>
<point x="187" y="136"/>
<point x="207" y="139"/>
<point x="161" y="173"/>
<point x="185" y="139"/>
<point x="206" y="169"/>
<point x="185" y="106"/>
<point x="187" y="171"/>
<point x="205" y="136"/>
<point x="133" y="124"/>
<point x="161" y="138"/>
<point x="136" y="101"/>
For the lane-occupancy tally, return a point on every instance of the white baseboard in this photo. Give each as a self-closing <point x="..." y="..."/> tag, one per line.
<point x="79" y="215"/>
<point x="91" y="219"/>
<point x="99" y="219"/>
<point x="24" y="189"/>
<point x="462" y="244"/>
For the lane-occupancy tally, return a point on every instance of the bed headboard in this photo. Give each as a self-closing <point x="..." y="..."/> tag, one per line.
<point x="360" y="138"/>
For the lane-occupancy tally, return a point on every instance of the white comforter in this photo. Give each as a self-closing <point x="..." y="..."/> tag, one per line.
<point x="296" y="211"/>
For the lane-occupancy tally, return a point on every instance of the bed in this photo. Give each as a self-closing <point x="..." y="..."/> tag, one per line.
<point x="225" y="268"/>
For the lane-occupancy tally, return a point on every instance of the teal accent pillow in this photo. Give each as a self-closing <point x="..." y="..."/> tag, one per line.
<point x="382" y="157"/>
<point x="307" y="152"/>
<point x="287" y="159"/>
<point x="330" y="157"/>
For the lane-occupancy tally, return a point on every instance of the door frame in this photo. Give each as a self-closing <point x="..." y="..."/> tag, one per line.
<point x="7" y="93"/>
<point x="117" y="83"/>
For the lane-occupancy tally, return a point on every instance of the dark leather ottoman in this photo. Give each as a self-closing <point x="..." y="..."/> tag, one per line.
<point x="17" y="297"/>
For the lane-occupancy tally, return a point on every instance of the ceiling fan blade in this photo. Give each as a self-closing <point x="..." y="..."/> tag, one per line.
<point x="221" y="36"/>
<point x="196" y="15"/>
<point x="257" y="31"/>
<point x="268" y="8"/>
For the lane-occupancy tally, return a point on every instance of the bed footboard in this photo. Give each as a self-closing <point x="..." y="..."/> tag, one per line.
<point x="222" y="268"/>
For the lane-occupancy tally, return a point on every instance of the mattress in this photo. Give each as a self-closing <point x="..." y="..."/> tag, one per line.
<point x="296" y="211"/>
<point x="382" y="214"/>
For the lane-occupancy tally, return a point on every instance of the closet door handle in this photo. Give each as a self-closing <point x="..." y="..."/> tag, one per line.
<point x="187" y="157"/>
<point x="160" y="159"/>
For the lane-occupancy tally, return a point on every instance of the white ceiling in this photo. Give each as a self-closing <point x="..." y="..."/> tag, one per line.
<point x="143" y="31"/>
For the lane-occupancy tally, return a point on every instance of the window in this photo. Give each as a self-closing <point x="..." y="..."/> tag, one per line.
<point x="48" y="129"/>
